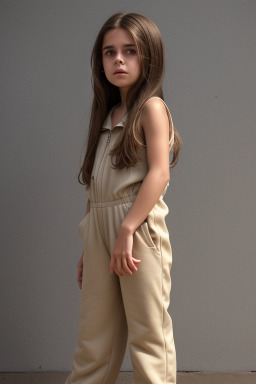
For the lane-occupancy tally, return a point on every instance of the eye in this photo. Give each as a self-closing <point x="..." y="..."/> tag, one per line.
<point x="132" y="51"/>
<point x="109" y="53"/>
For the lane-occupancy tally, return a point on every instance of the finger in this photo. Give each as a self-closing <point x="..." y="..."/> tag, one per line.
<point x="132" y="265"/>
<point x="117" y="273"/>
<point x="126" y="267"/>
<point x="79" y="276"/>
<point x="119" y="267"/>
<point x="80" y="262"/>
<point x="79" y="282"/>
<point x="136" y="260"/>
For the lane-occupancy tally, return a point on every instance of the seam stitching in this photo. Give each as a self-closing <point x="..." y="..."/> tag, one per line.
<point x="164" y="341"/>
<point x="163" y="317"/>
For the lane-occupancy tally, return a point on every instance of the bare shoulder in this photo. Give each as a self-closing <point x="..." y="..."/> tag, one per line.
<point x="155" y="124"/>
<point x="154" y="112"/>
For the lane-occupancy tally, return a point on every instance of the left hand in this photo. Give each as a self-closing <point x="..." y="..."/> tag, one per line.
<point x="122" y="260"/>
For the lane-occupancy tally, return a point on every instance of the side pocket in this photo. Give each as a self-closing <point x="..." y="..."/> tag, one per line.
<point x="147" y="236"/>
<point x="82" y="224"/>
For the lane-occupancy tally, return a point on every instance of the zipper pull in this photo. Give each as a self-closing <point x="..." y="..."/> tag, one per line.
<point x="109" y="135"/>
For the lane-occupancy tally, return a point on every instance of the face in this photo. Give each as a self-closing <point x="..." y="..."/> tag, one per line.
<point x="119" y="53"/>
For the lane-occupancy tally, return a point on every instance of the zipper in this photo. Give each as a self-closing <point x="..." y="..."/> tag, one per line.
<point x="109" y="136"/>
<point x="101" y="162"/>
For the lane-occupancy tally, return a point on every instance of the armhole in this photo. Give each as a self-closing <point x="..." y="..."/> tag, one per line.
<point x="171" y="141"/>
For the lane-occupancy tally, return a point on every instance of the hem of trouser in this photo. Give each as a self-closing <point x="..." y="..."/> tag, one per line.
<point x="114" y="339"/>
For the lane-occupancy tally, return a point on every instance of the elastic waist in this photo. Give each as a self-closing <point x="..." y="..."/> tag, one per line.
<point x="123" y="200"/>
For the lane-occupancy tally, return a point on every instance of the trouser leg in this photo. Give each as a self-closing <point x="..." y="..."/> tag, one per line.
<point x="102" y="333"/>
<point x="146" y="300"/>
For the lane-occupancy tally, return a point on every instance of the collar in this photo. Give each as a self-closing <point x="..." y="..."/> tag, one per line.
<point x="108" y="123"/>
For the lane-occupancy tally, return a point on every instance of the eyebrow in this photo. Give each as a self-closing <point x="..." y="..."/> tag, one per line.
<point x="112" y="46"/>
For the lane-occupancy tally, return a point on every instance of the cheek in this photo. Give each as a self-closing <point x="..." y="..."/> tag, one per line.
<point x="105" y="63"/>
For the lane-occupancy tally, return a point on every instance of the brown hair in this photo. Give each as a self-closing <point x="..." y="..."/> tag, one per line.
<point x="150" y="49"/>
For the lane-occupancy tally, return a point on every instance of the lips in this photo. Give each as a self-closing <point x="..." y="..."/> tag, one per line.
<point x="119" y="71"/>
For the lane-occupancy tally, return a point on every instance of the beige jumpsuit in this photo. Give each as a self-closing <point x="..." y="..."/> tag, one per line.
<point x="114" y="307"/>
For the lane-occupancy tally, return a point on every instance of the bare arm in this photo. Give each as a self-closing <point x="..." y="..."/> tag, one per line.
<point x="155" y="123"/>
<point x="156" y="127"/>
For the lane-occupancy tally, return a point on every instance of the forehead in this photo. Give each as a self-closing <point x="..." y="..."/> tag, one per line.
<point x="117" y="36"/>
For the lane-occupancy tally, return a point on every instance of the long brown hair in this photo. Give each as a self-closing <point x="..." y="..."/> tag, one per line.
<point x="150" y="49"/>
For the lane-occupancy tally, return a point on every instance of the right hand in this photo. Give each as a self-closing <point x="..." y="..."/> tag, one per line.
<point x="80" y="271"/>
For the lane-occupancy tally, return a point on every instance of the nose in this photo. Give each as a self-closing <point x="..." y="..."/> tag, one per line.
<point x="118" y="58"/>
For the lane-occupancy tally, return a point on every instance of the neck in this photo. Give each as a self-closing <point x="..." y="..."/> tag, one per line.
<point x="123" y="93"/>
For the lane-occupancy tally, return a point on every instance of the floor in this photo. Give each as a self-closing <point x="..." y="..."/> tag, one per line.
<point x="126" y="378"/>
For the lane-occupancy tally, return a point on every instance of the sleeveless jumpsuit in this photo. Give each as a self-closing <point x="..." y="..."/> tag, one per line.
<point x="134" y="306"/>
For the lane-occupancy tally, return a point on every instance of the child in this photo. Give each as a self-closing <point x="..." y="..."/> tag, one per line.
<point x="124" y="270"/>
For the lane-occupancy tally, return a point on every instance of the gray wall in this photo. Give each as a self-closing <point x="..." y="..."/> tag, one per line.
<point x="45" y="99"/>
